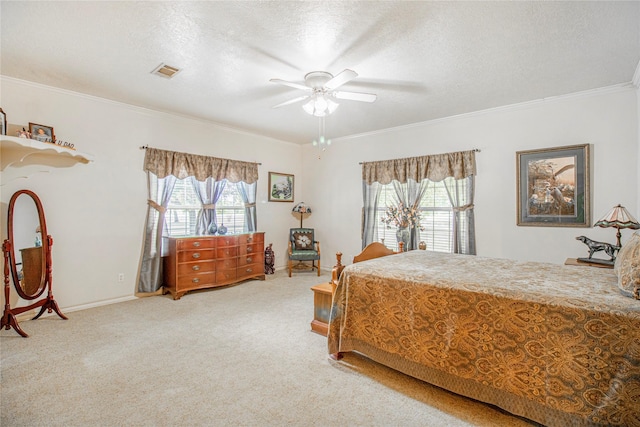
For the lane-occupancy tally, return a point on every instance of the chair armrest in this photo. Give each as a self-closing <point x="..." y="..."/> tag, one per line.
<point x="317" y="244"/>
<point x="290" y="248"/>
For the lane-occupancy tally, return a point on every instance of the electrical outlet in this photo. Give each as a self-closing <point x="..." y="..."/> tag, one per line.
<point x="120" y="277"/>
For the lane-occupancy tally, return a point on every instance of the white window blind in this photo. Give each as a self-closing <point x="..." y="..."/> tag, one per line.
<point x="182" y="211"/>
<point x="436" y="218"/>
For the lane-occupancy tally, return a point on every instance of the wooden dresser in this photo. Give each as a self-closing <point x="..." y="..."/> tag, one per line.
<point x="199" y="262"/>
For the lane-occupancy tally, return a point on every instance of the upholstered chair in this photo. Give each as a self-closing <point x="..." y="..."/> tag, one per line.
<point x="303" y="247"/>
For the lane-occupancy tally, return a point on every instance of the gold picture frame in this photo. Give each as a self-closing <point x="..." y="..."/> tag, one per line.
<point x="281" y="187"/>
<point x="553" y="187"/>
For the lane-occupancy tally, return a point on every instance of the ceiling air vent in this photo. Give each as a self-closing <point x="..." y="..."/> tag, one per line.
<point x="167" y="71"/>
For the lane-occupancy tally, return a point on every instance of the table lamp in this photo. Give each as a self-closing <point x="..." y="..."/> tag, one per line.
<point x="301" y="209"/>
<point x="618" y="217"/>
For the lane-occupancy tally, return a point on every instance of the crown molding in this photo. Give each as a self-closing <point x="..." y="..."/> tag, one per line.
<point x="511" y="107"/>
<point x="142" y="110"/>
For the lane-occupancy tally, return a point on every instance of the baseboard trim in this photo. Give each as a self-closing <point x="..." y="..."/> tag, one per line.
<point x="28" y="315"/>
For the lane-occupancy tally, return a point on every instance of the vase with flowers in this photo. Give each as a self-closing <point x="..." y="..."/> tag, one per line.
<point x="405" y="219"/>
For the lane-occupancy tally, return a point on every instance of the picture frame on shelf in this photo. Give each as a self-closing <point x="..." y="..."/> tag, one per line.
<point x="3" y="122"/>
<point x="281" y="187"/>
<point x="553" y="187"/>
<point x="42" y="133"/>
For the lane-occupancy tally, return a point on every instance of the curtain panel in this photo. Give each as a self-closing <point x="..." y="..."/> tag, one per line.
<point x="436" y="167"/>
<point x="163" y="163"/>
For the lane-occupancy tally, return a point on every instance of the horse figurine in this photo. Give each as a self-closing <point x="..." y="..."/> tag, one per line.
<point x="594" y="247"/>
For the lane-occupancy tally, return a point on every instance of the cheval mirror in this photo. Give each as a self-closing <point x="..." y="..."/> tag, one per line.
<point x="27" y="253"/>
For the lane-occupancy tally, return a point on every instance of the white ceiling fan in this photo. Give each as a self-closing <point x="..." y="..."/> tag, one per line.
<point x="321" y="91"/>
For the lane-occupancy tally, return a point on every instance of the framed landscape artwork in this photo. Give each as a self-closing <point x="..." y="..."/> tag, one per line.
<point x="280" y="187"/>
<point x="553" y="187"/>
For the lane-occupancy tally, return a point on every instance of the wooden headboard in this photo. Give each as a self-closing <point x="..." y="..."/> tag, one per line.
<point x="373" y="250"/>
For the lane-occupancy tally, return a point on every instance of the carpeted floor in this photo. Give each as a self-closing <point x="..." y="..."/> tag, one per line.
<point x="237" y="356"/>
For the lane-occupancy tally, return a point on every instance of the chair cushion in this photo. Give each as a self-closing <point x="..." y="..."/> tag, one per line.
<point x="304" y="255"/>
<point x="627" y="267"/>
<point x="303" y="240"/>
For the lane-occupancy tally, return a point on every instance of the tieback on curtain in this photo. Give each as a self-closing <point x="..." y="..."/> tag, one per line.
<point x="463" y="208"/>
<point x="156" y="206"/>
<point x="211" y="206"/>
<point x="249" y="205"/>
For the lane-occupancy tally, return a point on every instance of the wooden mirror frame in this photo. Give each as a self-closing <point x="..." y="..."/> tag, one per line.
<point x="9" y="319"/>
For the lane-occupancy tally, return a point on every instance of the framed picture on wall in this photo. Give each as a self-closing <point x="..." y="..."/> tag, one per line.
<point x="3" y="122"/>
<point x="42" y="133"/>
<point x="280" y="187"/>
<point x="553" y="187"/>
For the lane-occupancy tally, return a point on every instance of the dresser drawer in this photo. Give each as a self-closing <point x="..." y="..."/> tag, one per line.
<point x="250" y="238"/>
<point x="196" y="255"/>
<point x="250" y="249"/>
<point x="184" y="244"/>
<point x="226" y="264"/>
<point x="195" y="281"/>
<point x="225" y="276"/>
<point x="250" y="270"/>
<point x="227" y="252"/>
<point x="257" y="258"/>
<point x="226" y="241"/>
<point x="188" y="268"/>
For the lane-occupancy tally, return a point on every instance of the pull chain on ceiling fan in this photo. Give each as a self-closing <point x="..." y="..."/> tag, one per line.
<point x="321" y="91"/>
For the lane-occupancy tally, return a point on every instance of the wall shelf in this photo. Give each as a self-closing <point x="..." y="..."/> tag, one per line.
<point x="16" y="151"/>
<point x="18" y="154"/>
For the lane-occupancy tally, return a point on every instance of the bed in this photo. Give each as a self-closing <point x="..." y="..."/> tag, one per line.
<point x="559" y="345"/>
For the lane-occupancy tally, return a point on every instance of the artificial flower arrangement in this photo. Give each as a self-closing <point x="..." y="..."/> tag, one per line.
<point x="402" y="216"/>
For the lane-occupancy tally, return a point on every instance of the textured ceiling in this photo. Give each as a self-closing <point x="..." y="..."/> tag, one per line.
<point x="424" y="60"/>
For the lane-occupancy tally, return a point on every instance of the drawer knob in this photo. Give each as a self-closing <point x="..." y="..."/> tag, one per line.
<point x="196" y="244"/>
<point x="249" y="249"/>
<point x="195" y="280"/>
<point x="195" y="268"/>
<point x="249" y="239"/>
<point x="249" y="259"/>
<point x="249" y="270"/>
<point x="196" y="255"/>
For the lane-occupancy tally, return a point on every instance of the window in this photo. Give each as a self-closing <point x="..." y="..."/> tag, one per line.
<point x="437" y="218"/>
<point x="183" y="208"/>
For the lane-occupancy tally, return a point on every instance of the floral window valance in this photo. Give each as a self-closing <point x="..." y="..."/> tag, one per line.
<point x="163" y="163"/>
<point x="436" y="167"/>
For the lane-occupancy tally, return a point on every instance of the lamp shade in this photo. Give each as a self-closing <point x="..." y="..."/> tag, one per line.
<point x="618" y="217"/>
<point x="301" y="208"/>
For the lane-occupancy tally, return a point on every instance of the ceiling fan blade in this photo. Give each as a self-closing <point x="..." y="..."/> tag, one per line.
<point x="342" y="78"/>
<point x="355" y="96"/>
<point x="291" y="84"/>
<point x="291" y="101"/>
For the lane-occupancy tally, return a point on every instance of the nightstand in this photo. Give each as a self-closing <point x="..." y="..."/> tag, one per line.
<point x="322" y="297"/>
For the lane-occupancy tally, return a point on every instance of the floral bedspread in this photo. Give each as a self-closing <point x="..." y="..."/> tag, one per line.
<point x="553" y="343"/>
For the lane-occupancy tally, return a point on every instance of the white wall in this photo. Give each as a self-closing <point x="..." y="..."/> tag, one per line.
<point x="96" y="212"/>
<point x="607" y="119"/>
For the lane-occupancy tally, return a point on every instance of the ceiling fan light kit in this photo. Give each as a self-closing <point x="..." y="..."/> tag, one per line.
<point x="321" y="88"/>
<point x="320" y="105"/>
<point x="321" y="92"/>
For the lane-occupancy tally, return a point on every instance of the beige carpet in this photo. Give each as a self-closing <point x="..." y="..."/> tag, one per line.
<point x="237" y="356"/>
